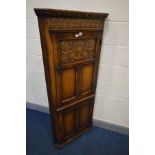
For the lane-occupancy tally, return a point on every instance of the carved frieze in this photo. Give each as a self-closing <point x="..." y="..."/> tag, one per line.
<point x="77" y="50"/>
<point x="70" y="23"/>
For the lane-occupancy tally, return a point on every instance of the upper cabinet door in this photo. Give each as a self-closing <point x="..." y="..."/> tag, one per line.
<point x="76" y="62"/>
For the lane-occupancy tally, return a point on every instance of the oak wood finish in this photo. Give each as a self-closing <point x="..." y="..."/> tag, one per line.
<point x="71" y="44"/>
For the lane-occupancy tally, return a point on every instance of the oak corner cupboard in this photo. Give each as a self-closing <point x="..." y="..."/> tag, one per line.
<point x="71" y="44"/>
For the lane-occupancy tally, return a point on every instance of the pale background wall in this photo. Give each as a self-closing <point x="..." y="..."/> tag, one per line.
<point x="112" y="100"/>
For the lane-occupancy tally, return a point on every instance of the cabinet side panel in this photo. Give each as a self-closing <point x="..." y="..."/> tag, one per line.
<point x="97" y="56"/>
<point x="48" y="60"/>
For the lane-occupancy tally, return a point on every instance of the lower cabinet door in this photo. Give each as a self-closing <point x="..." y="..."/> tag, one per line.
<point x="74" y="120"/>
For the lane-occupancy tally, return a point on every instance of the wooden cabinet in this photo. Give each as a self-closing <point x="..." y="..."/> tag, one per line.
<point x="71" y="44"/>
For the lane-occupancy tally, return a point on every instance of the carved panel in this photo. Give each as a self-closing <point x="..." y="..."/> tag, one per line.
<point x="68" y="23"/>
<point x="76" y="50"/>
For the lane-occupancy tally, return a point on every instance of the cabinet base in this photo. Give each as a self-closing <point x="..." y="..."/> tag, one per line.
<point x="59" y="146"/>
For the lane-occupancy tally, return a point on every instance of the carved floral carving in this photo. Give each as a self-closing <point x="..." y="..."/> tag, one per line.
<point x="76" y="50"/>
<point x="68" y="23"/>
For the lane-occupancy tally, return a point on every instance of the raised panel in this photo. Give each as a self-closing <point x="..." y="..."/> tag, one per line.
<point x="86" y="78"/>
<point x="69" y="123"/>
<point x="84" y="116"/>
<point x="68" y="83"/>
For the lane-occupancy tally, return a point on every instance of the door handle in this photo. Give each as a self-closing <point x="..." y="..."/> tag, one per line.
<point x="78" y="34"/>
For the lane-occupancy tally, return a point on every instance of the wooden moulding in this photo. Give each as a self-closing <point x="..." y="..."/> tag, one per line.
<point x="69" y="14"/>
<point x="70" y="20"/>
